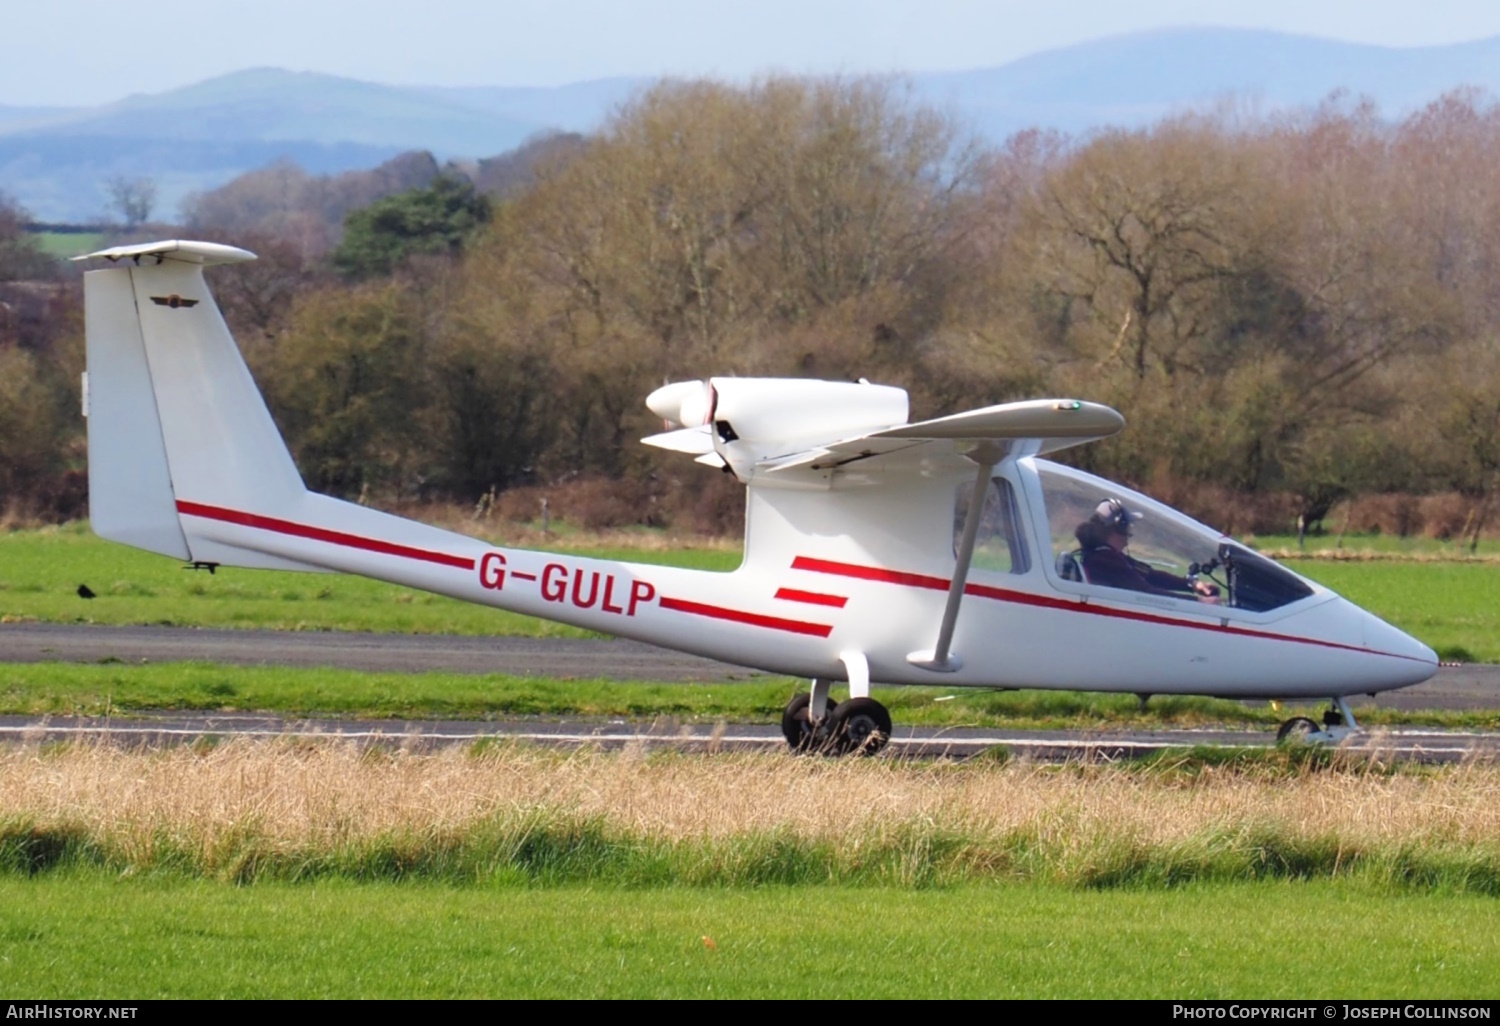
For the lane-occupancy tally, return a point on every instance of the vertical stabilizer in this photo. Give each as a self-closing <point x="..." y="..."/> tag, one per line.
<point x="175" y="418"/>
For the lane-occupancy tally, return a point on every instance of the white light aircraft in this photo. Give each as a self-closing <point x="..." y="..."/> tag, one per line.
<point x="877" y="551"/>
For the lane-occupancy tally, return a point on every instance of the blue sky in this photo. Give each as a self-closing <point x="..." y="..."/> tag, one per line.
<point x="87" y="51"/>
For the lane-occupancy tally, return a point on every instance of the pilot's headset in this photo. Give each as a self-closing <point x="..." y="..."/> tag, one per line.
<point x="1114" y="514"/>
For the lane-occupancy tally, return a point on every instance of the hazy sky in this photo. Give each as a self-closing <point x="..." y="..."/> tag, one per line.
<point x="87" y="51"/>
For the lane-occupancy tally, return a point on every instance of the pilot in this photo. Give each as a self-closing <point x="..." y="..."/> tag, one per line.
<point x="1103" y="538"/>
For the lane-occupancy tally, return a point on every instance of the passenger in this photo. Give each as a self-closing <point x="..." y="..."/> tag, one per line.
<point x="1103" y="538"/>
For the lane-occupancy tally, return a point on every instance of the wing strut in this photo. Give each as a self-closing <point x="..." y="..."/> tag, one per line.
<point x="941" y="657"/>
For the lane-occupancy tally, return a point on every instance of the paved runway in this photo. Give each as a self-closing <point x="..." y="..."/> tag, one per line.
<point x="1474" y="686"/>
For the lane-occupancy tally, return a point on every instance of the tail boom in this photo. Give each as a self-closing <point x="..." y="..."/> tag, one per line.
<point x="185" y="460"/>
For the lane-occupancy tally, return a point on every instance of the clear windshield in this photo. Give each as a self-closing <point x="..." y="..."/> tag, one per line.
<point x="1112" y="537"/>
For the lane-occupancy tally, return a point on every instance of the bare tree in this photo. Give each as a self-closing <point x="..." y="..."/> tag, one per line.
<point x="131" y="198"/>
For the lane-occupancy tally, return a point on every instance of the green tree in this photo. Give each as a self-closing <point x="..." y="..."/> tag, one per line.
<point x="348" y="384"/>
<point x="438" y="219"/>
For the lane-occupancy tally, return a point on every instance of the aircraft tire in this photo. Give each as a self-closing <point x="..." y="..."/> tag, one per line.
<point x="860" y="726"/>
<point x="1296" y="731"/>
<point x="798" y="729"/>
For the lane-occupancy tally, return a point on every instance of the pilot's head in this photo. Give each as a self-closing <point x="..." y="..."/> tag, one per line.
<point x="1114" y="520"/>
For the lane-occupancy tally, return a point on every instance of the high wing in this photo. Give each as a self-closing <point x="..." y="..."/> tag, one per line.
<point x="1040" y="425"/>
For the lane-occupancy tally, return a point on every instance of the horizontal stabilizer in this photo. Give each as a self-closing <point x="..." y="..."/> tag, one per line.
<point x="181" y="250"/>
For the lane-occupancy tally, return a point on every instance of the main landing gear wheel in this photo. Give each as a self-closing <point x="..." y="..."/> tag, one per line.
<point x="860" y="726"/>
<point x="801" y="733"/>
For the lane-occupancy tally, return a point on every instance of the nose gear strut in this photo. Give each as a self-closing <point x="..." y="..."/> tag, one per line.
<point x="1338" y="723"/>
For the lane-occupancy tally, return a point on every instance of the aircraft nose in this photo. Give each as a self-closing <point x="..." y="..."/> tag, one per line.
<point x="1410" y="662"/>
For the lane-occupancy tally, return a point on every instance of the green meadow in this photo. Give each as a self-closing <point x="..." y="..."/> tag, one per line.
<point x="1453" y="606"/>
<point x="322" y="869"/>
<point x="91" y="934"/>
<point x="41" y="570"/>
<point x="63" y="245"/>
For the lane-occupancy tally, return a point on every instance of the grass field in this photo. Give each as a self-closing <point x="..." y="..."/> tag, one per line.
<point x="63" y="245"/>
<point x="121" y="689"/>
<point x="1452" y="605"/>
<point x="40" y="572"/>
<point x="1378" y="546"/>
<point x="511" y="813"/>
<point x="303" y="870"/>
<point x="90" y="934"/>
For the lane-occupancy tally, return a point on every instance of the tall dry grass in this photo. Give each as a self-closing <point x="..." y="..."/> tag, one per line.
<point x="248" y="809"/>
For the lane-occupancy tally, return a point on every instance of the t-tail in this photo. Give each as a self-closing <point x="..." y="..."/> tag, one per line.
<point x="176" y="426"/>
<point x="184" y="458"/>
<point x="186" y="461"/>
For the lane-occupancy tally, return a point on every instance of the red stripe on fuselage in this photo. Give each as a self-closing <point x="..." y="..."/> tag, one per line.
<point x="775" y="623"/>
<point x="871" y="573"/>
<point x="812" y="598"/>
<point x="352" y="541"/>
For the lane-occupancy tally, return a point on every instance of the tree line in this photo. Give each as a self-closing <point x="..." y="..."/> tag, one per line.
<point x="1289" y="311"/>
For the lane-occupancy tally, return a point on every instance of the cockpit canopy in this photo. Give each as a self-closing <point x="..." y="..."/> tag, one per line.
<point x="1166" y="551"/>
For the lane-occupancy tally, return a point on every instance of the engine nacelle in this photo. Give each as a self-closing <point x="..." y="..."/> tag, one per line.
<point x="748" y="419"/>
<point x="780" y="409"/>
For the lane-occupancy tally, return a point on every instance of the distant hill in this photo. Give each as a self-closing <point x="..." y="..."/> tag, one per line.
<point x="14" y="119"/>
<point x="1130" y="81"/>
<point x="56" y="160"/>
<point x="267" y="104"/>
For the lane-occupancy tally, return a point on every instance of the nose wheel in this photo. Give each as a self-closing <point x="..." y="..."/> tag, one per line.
<point x="1338" y="723"/>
